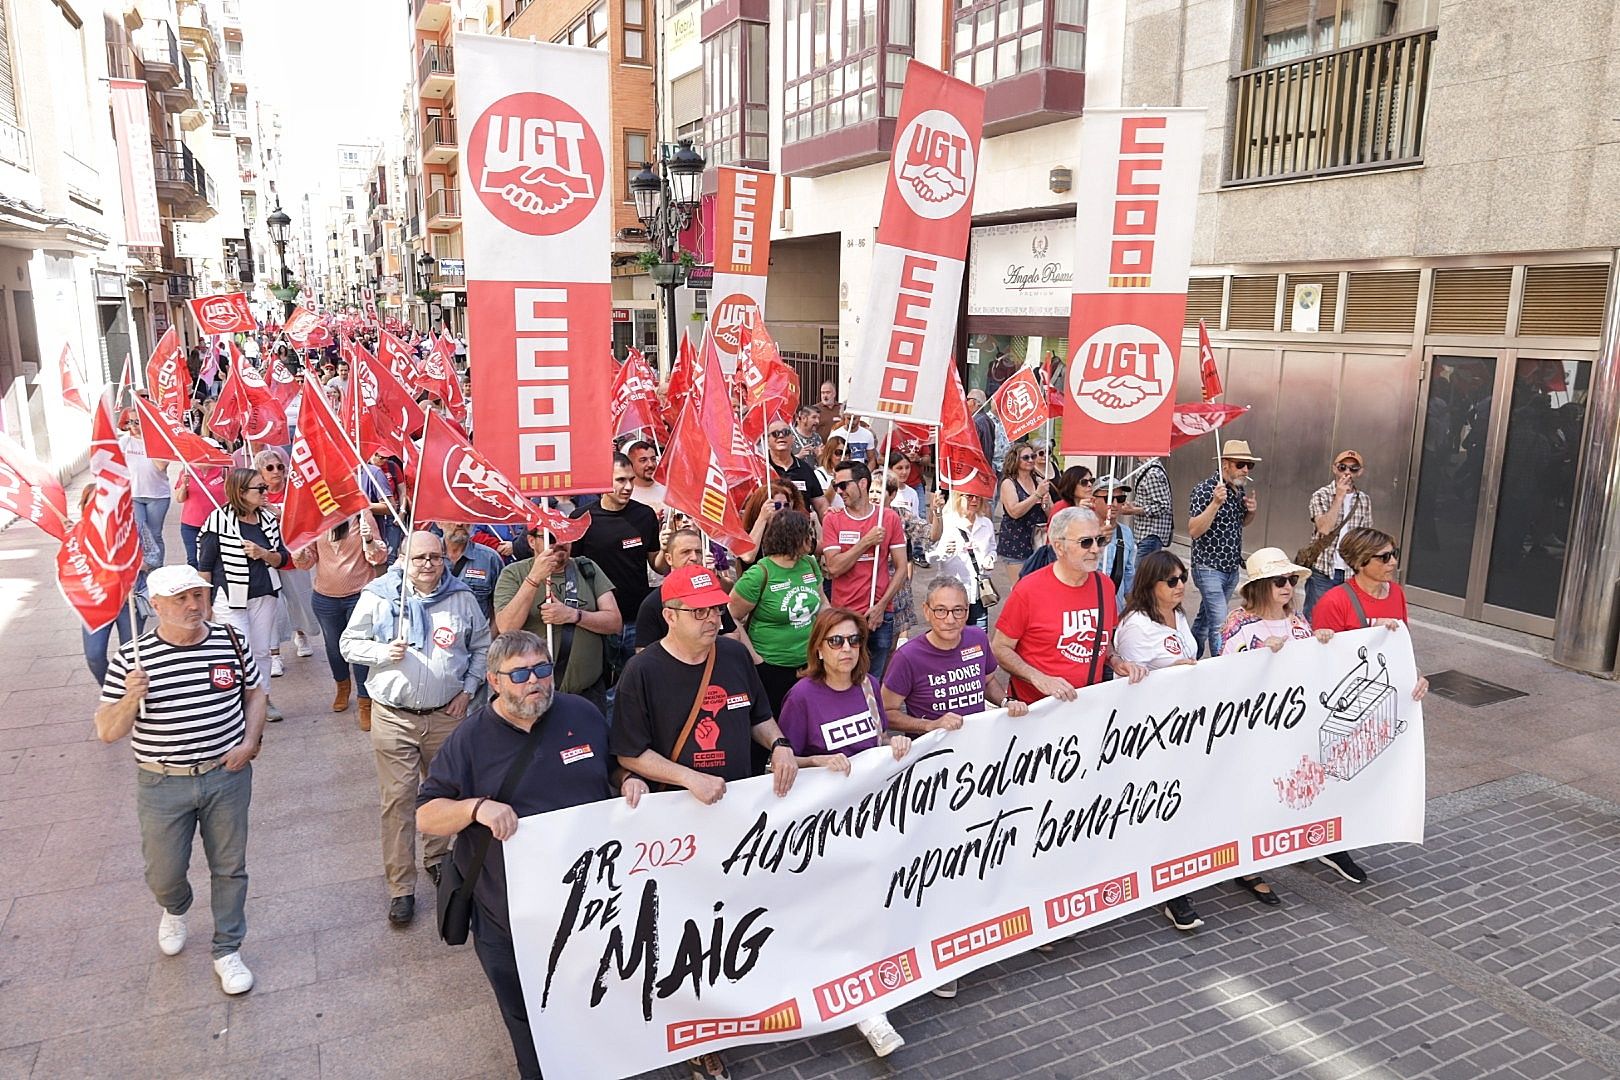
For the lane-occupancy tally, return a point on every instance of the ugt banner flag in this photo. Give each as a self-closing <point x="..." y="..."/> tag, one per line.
<point x="1136" y="189"/>
<point x="922" y="240"/>
<point x="100" y="558"/>
<point x="742" y="255"/>
<point x="537" y="224"/>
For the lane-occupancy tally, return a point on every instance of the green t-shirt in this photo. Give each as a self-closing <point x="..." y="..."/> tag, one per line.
<point x="578" y="653"/>
<point x="785" y="604"/>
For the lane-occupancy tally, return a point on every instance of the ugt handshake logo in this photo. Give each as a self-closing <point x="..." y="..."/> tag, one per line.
<point x="541" y="167"/>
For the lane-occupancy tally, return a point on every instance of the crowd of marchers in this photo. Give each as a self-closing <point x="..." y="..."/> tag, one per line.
<point x="503" y="672"/>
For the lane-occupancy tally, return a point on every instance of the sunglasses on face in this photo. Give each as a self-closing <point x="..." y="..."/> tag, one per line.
<point x="839" y="641"/>
<point x="1085" y="542"/>
<point x="1387" y="557"/>
<point x="260" y="488"/>
<point x="1177" y="579"/>
<point x="1284" y="582"/>
<point x="274" y="468"/>
<point x="1352" y="469"/>
<point x="1120" y="500"/>
<point x="522" y="675"/>
<point x="782" y="434"/>
<point x="1243" y="466"/>
<point x="840" y="485"/>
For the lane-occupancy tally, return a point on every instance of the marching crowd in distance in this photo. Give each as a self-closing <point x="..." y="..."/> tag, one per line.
<point x="502" y="672"/>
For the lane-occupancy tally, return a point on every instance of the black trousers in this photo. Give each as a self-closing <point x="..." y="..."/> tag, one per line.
<point x="494" y="948"/>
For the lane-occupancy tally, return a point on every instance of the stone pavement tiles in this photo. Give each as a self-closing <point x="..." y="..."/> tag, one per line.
<point x="1489" y="952"/>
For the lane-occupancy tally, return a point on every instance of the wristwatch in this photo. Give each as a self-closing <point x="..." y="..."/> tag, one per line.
<point x="780" y="743"/>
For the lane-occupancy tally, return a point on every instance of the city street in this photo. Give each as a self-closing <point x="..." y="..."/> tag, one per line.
<point x="1492" y="951"/>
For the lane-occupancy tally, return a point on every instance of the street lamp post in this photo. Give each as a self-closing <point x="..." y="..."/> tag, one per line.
<point x="665" y="203"/>
<point x="425" y="263"/>
<point x="280" y="225"/>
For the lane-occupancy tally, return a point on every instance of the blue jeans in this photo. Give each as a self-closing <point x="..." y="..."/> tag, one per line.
<point x="173" y="809"/>
<point x="620" y="648"/>
<point x="188" y="539"/>
<point x="332" y="615"/>
<point x="95" y="645"/>
<point x="1317" y="587"/>
<point x="1214" y="588"/>
<point x="149" y="515"/>
<point x="879" y="645"/>
<point x="1147" y="546"/>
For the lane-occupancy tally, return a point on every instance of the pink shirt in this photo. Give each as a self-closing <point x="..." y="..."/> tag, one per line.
<point x="196" y="507"/>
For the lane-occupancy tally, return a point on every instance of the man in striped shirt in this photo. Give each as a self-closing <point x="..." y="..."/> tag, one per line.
<point x="188" y="696"/>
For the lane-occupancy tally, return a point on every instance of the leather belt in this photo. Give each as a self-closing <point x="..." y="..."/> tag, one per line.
<point x="416" y="712"/>
<point x="181" y="770"/>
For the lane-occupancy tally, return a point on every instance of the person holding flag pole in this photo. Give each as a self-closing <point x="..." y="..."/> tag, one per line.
<point x="864" y="553"/>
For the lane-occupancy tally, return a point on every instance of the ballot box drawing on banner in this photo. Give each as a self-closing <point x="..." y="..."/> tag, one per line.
<point x="1361" y="718"/>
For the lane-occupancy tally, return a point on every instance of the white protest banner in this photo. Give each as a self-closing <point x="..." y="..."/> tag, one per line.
<point x="1136" y="191"/>
<point x="922" y="239"/>
<point x="537" y="228"/>
<point x="742" y="257"/>
<point x="650" y="935"/>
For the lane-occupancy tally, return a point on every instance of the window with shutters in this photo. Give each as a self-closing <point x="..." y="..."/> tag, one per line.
<point x="13" y="140"/>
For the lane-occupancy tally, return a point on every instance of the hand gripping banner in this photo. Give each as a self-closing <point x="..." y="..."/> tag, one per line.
<point x="922" y="240"/>
<point x="651" y="935"/>
<point x="537" y="225"/>
<point x="1136" y="189"/>
<point x="742" y="254"/>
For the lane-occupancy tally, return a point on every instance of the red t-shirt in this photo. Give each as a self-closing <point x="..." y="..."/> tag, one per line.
<point x="1335" y="612"/>
<point x="839" y="530"/>
<point x="1058" y="627"/>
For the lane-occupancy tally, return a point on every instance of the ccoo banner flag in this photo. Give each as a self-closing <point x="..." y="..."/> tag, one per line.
<point x="742" y="254"/>
<point x="650" y="935"/>
<point x="1136" y="189"/>
<point x="537" y="225"/>
<point x="922" y="241"/>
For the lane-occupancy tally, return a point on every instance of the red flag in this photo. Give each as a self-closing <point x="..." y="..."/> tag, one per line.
<point x="399" y="358"/>
<point x="682" y="380"/>
<point x="167" y="441"/>
<point x="100" y="557"/>
<point x="961" y="466"/>
<point x="323" y="489"/>
<point x="29" y="490"/>
<point x="388" y="413"/>
<point x="740" y="461"/>
<point x="1188" y="422"/>
<point x="438" y="377"/>
<point x="771" y="387"/>
<point x="696" y="485"/>
<point x="167" y="379"/>
<point x="635" y="398"/>
<point x="1020" y="404"/>
<point x="1207" y="371"/>
<point x="73" y="391"/>
<point x="457" y="483"/>
<point x="300" y="324"/>
<point x="246" y="409"/>
<point x="227" y="313"/>
<point x="283" y="387"/>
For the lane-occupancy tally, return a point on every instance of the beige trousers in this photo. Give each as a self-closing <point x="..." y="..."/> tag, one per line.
<point x="404" y="745"/>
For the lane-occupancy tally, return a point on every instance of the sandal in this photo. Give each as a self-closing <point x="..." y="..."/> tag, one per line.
<point x="1254" y="884"/>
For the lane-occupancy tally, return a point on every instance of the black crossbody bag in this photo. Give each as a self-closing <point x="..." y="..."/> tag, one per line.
<point x="455" y="899"/>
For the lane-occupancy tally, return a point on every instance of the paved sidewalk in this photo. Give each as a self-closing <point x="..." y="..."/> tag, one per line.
<point x="1492" y="951"/>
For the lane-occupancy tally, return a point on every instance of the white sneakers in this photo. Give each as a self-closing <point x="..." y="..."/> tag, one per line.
<point x="301" y="643"/>
<point x="881" y="1034"/>
<point x="946" y="990"/>
<point x="171" y="934"/>
<point x="276" y="670"/>
<point x="234" y="976"/>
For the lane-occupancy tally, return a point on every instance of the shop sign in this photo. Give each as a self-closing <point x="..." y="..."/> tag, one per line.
<point x="621" y="314"/>
<point x="1026" y="268"/>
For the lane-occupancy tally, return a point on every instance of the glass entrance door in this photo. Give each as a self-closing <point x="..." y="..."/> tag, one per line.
<point x="1443" y="538"/>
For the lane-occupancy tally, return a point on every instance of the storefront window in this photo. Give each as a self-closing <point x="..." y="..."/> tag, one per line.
<point x="994" y="358"/>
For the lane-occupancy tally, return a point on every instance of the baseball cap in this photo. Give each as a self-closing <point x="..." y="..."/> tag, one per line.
<point x="1101" y="485"/>
<point x="174" y="580"/>
<point x="694" y="586"/>
<point x="1343" y="455"/>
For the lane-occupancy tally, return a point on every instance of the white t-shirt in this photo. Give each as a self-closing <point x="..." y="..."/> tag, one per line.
<point x="652" y="496"/>
<point x="146" y="481"/>
<point x="1141" y="640"/>
<point x="906" y="499"/>
<point x="858" y="441"/>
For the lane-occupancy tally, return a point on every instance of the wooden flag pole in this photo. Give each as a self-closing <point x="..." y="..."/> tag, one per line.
<point x="883" y="500"/>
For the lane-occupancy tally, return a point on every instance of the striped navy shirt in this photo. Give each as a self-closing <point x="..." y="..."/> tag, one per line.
<point x="193" y="710"/>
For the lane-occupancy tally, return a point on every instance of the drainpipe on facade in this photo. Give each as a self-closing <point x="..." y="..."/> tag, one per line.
<point x="1589" y="602"/>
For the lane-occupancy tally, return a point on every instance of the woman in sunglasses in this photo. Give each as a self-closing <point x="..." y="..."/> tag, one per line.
<point x="827" y="459"/>
<point x="776" y="600"/>
<point x="1154" y="631"/>
<point x="1266" y="615"/>
<point x="239" y="551"/>
<point x="297" y="615"/>
<point x="1026" y="500"/>
<point x="831" y="715"/>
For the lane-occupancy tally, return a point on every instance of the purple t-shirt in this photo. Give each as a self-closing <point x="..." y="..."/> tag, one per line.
<point x="817" y="719"/>
<point x="936" y="681"/>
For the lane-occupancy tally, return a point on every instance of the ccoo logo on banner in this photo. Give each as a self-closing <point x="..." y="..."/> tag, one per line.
<point x="1136" y="192"/>
<point x="742" y="253"/>
<point x="537" y="239"/>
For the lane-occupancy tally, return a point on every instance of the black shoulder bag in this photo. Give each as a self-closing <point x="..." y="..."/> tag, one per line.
<point x="455" y="898"/>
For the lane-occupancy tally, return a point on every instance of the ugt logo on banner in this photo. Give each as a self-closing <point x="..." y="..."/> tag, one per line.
<point x="540" y="164"/>
<point x="730" y="316"/>
<point x="936" y="169"/>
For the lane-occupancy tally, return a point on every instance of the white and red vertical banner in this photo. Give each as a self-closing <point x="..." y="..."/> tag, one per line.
<point x="1136" y="189"/>
<point x="167" y="378"/>
<point x="132" y="131"/>
<point x="917" y="268"/>
<point x="537" y="227"/>
<point x="742" y="255"/>
<point x="100" y="558"/>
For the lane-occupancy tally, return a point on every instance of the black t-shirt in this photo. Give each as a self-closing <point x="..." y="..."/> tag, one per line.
<point x="802" y="475"/>
<point x="621" y="542"/>
<point x="571" y="766"/>
<point x="650" y="624"/>
<point x="656" y="693"/>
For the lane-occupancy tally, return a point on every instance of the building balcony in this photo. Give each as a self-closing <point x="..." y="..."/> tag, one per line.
<point x="160" y="57"/>
<point x="122" y="63"/>
<point x="182" y="286"/>
<point x="443" y="208"/>
<point x="197" y="32"/>
<point x="436" y="71"/>
<point x="249" y="177"/>
<point x="453" y="278"/>
<point x="238" y="76"/>
<point x="1354" y="109"/>
<point x="182" y="96"/>
<point x="239" y="124"/>
<point x="439" y="140"/>
<point x="184" y="183"/>
<point x="222" y="119"/>
<point x="232" y="25"/>
<point x="431" y="15"/>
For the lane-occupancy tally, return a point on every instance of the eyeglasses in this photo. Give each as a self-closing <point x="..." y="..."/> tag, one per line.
<point x="1119" y="500"/>
<point x="778" y="504"/>
<point x="1243" y="466"/>
<point x="427" y="558"/>
<point x="1085" y="542"/>
<point x="521" y="675"/>
<point x="1026" y="457"/>
<point x="273" y="468"/>
<point x="840" y="485"/>
<point x="950" y="612"/>
<point x="1387" y="557"/>
<point x="699" y="613"/>
<point x="1177" y="579"/>
<point x="260" y="488"/>
<point x="839" y="641"/>
<point x="1348" y="468"/>
<point x="1284" y="582"/>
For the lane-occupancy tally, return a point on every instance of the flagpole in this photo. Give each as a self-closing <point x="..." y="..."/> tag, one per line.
<point x="883" y="499"/>
<point x="405" y="560"/>
<point x="545" y="586"/>
<point x="360" y="462"/>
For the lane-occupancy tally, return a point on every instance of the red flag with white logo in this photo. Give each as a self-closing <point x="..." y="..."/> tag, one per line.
<point x="457" y="483"/>
<point x="696" y="485"/>
<point x="739" y="460"/>
<point x="283" y="387"/>
<point x="920" y="257"/>
<point x="635" y="398"/>
<point x="770" y="387"/>
<point x="399" y="357"/>
<point x="1020" y="404"/>
<point x="323" y="488"/>
<point x="167" y="379"/>
<point x="100" y="557"/>
<point x="398" y="414"/>
<point x="1188" y="422"/>
<point x="29" y="490"/>
<point x="961" y="466"/>
<point x="683" y="379"/>
<point x="227" y="313"/>
<point x="438" y="377"/>
<point x="1208" y="373"/>
<point x="73" y="391"/>
<point x="742" y="256"/>
<point x="300" y="324"/>
<point x="165" y="440"/>
<point x="246" y="409"/>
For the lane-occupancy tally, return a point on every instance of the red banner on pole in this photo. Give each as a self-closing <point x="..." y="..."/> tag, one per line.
<point x="227" y="313"/>
<point x="537" y="229"/>
<point x="29" y="490"/>
<point x="1191" y="421"/>
<point x="246" y="409"/>
<point x="457" y="483"/>
<point x="100" y="557"/>
<point x="1133" y="247"/>
<point x="300" y="324"/>
<point x="167" y="379"/>
<point x="164" y="440"/>
<point x="697" y="486"/>
<point x="73" y="391"/>
<point x="635" y="398"/>
<point x="323" y="488"/>
<point x="742" y="250"/>
<point x="1020" y="404"/>
<point x="1208" y="373"/>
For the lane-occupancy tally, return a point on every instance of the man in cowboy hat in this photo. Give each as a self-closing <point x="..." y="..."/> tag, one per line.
<point x="1219" y="508"/>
